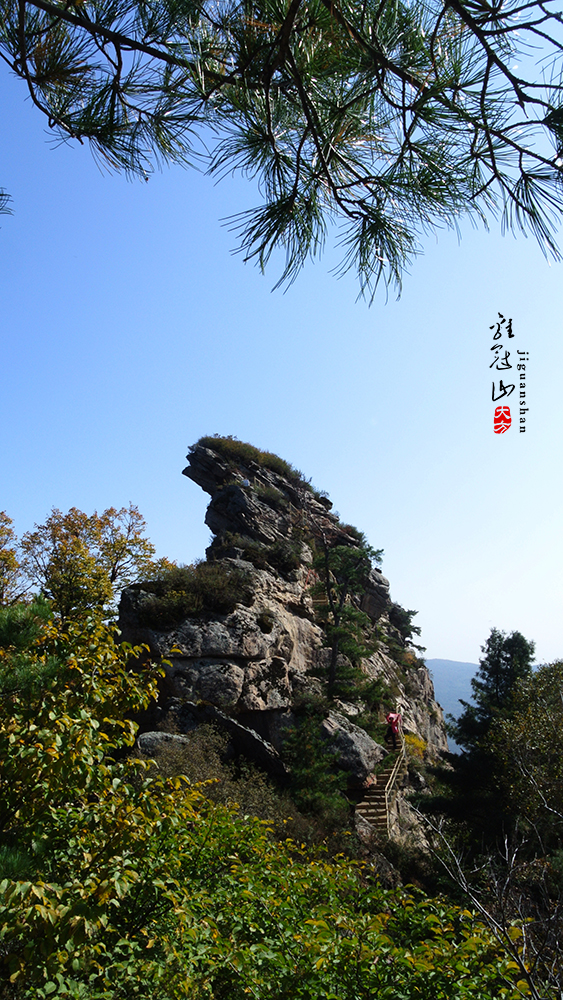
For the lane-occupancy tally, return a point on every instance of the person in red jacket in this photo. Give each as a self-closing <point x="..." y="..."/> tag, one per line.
<point x="393" y="721"/>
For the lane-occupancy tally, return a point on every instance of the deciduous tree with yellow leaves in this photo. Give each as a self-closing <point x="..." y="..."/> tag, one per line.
<point x="81" y="562"/>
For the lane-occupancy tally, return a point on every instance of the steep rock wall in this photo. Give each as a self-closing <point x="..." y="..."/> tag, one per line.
<point x="257" y="663"/>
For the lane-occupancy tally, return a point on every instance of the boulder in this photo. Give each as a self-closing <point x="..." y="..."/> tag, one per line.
<point x="358" y="754"/>
<point x="186" y="716"/>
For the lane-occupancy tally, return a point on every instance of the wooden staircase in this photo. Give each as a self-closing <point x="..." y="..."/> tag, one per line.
<point x="378" y="800"/>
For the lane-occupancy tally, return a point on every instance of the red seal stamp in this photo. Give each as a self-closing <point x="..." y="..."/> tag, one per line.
<point x="502" y="419"/>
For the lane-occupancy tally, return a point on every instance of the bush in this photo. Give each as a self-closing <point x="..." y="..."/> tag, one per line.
<point x="273" y="497"/>
<point x="416" y="746"/>
<point x="184" y="591"/>
<point x="283" y="556"/>
<point x="266" y="621"/>
<point x="205" y="757"/>
<point x="322" y="497"/>
<point x="317" y="785"/>
<point x="239" y="451"/>
<point x="252" y="551"/>
<point x="355" y="533"/>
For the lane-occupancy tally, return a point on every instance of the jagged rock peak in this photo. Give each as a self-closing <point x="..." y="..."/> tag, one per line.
<point x="259" y="662"/>
<point x="259" y="496"/>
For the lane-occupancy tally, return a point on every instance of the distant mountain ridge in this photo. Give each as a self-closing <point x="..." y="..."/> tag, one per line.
<point x="452" y="681"/>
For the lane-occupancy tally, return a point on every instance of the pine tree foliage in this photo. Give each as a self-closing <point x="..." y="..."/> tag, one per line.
<point x="474" y="793"/>
<point x="529" y="745"/>
<point x="392" y="118"/>
<point x="507" y="659"/>
<point x="343" y="571"/>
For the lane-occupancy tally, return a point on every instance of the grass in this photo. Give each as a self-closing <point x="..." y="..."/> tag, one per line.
<point x="273" y="497"/>
<point x="236" y="451"/>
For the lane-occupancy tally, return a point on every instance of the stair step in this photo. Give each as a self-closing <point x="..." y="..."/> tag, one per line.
<point x="373" y="807"/>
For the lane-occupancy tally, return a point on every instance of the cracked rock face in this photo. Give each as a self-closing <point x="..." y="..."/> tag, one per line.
<point x="230" y="661"/>
<point x="358" y="753"/>
<point x="256" y="502"/>
<point x="258" y="662"/>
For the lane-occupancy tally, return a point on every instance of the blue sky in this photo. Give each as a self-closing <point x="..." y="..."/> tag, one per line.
<point x="129" y="330"/>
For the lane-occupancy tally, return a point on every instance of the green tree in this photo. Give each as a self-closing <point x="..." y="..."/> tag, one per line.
<point x="529" y="745"/>
<point x="343" y="572"/>
<point x="316" y="786"/>
<point x="521" y="876"/>
<point x="507" y="659"/>
<point x="81" y="562"/>
<point x="12" y="587"/>
<point x="392" y="118"/>
<point x="528" y="748"/>
<point x="21" y="626"/>
<point x="473" y="795"/>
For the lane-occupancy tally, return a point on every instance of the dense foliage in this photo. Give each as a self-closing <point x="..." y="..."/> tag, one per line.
<point x="79" y="562"/>
<point x="283" y="555"/>
<point x="11" y="588"/>
<point x="529" y="746"/>
<point x="474" y="790"/>
<point x="343" y="571"/>
<point x="499" y="835"/>
<point x="118" y="883"/>
<point x="82" y="562"/>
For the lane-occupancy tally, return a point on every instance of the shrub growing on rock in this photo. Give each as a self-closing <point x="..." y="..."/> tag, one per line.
<point x="283" y="555"/>
<point x="183" y="591"/>
<point x="236" y="451"/>
<point x="273" y="497"/>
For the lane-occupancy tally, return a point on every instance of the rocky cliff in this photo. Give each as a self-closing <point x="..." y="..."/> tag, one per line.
<point x="251" y="665"/>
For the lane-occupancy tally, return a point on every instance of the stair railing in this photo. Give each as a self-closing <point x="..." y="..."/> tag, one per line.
<point x="391" y="781"/>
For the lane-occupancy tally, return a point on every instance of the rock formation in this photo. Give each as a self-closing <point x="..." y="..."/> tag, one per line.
<point x="254" y="664"/>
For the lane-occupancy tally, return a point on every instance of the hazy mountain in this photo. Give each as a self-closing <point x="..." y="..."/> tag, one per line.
<point x="452" y="681"/>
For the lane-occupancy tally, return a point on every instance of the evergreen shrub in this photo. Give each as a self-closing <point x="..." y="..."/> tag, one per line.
<point x="184" y="591"/>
